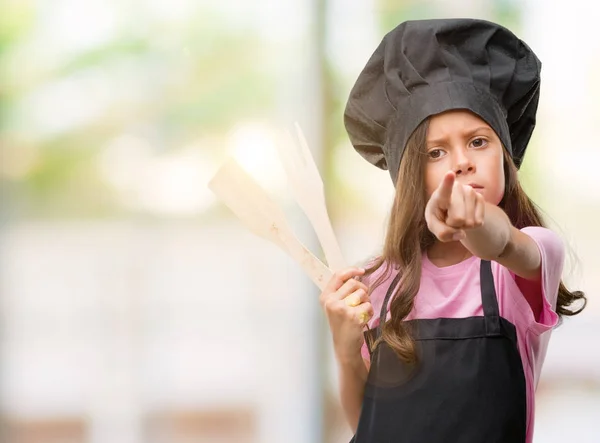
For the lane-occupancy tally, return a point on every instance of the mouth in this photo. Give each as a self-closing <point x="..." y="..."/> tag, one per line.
<point x="475" y="185"/>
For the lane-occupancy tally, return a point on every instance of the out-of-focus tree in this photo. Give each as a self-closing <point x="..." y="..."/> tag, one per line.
<point x="167" y="85"/>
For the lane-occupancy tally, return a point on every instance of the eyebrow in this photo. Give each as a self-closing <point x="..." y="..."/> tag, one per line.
<point x="466" y="135"/>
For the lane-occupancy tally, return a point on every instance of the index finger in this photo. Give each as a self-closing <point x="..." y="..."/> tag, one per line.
<point x="444" y="190"/>
<point x="340" y="277"/>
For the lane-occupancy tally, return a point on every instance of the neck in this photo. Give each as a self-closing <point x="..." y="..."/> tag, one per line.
<point x="447" y="254"/>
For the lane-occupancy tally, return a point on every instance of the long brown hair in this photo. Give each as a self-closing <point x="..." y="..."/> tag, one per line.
<point x="408" y="236"/>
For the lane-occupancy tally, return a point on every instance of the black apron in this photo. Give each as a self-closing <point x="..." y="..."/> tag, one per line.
<point x="468" y="385"/>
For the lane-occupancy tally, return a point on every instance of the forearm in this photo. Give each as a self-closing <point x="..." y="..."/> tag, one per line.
<point x="491" y="239"/>
<point x="352" y="379"/>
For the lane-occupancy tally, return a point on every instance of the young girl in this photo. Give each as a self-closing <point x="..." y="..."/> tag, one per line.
<point x="469" y="280"/>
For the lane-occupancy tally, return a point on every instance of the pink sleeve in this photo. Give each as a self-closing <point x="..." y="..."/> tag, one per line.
<point x="552" y="254"/>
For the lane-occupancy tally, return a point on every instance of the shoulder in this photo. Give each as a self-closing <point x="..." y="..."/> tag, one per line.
<point x="378" y="282"/>
<point x="380" y="272"/>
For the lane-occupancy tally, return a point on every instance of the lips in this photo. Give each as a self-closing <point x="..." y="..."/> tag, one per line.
<point x="475" y="185"/>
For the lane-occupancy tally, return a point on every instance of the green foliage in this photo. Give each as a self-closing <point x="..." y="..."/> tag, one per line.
<point x="199" y="78"/>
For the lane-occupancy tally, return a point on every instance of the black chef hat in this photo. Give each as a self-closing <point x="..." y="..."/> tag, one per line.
<point x="425" y="67"/>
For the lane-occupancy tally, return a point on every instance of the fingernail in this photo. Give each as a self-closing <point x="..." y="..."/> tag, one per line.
<point x="457" y="236"/>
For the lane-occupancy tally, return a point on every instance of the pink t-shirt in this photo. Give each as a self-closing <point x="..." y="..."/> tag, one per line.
<point x="454" y="292"/>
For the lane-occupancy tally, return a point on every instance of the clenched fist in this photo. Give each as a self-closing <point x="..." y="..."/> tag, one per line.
<point x="346" y="303"/>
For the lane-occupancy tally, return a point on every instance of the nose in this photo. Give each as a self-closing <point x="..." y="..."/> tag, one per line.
<point x="463" y="163"/>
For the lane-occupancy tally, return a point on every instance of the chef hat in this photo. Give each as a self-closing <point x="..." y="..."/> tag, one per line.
<point x="425" y="67"/>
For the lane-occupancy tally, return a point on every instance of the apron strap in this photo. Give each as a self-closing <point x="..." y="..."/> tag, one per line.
<point x="489" y="299"/>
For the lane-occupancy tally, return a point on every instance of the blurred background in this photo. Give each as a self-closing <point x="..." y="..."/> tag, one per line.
<point x="135" y="308"/>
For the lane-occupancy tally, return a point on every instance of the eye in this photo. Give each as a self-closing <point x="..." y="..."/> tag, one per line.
<point x="479" y="142"/>
<point x="435" y="153"/>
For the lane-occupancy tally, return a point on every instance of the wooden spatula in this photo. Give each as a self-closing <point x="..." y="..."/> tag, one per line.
<point x="307" y="186"/>
<point x="251" y="204"/>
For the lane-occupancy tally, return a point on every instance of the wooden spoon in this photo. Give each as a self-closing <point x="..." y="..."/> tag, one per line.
<point x="307" y="185"/>
<point x="240" y="192"/>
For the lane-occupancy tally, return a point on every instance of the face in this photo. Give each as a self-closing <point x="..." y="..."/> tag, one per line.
<point x="460" y="141"/>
